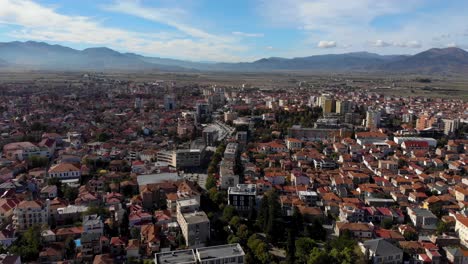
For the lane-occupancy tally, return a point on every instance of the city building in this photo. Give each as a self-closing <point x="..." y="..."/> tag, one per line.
<point x="373" y="118"/>
<point x="381" y="251"/>
<point x="31" y="213"/>
<point x="194" y="224"/>
<point x="243" y="197"/>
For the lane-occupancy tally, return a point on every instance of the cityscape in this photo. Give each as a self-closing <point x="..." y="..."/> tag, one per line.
<point x="109" y="156"/>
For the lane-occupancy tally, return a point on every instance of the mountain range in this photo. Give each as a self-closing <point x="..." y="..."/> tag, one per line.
<point x="42" y="56"/>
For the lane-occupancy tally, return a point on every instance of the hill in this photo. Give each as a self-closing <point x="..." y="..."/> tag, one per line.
<point x="43" y="56"/>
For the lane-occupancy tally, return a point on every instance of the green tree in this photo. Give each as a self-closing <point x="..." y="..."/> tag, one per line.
<point x="70" y="247"/>
<point x="303" y="247"/>
<point x="210" y="182"/>
<point x="28" y="245"/>
<point x="291" y="247"/>
<point x="318" y="256"/>
<point x="38" y="161"/>
<point x="69" y="193"/>
<point x="243" y="232"/>
<point x="228" y="213"/>
<point x="262" y="219"/>
<point x="387" y="223"/>
<point x="235" y="221"/>
<point x="442" y="227"/>
<point x="135" y="233"/>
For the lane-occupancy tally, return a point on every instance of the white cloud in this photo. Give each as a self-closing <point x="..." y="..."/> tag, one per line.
<point x="325" y="44"/>
<point x="243" y="34"/>
<point x="352" y="23"/>
<point x="39" y="22"/>
<point x="409" y="44"/>
<point x="405" y="44"/>
<point x="269" y="47"/>
<point x="452" y="45"/>
<point x="380" y="43"/>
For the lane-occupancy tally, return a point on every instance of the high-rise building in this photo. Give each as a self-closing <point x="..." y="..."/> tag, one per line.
<point x="169" y="102"/>
<point x="451" y="125"/>
<point x="425" y="121"/>
<point x="373" y="119"/>
<point x="138" y="103"/>
<point x="343" y="107"/>
<point x="327" y="103"/>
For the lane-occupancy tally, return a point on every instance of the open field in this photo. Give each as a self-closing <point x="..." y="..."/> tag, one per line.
<point x="397" y="85"/>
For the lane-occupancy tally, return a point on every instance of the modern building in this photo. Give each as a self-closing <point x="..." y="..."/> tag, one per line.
<point x="451" y="125"/>
<point x="242" y="197"/>
<point x="327" y="103"/>
<point x="373" y="118"/>
<point x="185" y="256"/>
<point x="344" y="106"/>
<point x="223" y="254"/>
<point x="194" y="224"/>
<point x="182" y="157"/>
<point x="226" y="254"/>
<point x="169" y="102"/>
<point x="231" y="151"/>
<point x="210" y="136"/>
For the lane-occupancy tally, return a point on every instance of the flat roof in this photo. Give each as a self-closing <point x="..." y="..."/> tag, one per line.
<point x="157" y="178"/>
<point x="196" y="217"/>
<point x="223" y="251"/>
<point x="175" y="257"/>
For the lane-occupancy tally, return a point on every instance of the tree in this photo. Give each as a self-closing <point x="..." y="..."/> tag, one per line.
<point x="243" y="232"/>
<point x="99" y="210"/>
<point x="210" y="182"/>
<point x="135" y="233"/>
<point x="318" y="256"/>
<point x="262" y="219"/>
<point x="303" y="246"/>
<point x="38" y="161"/>
<point x="103" y="137"/>
<point x="442" y="227"/>
<point x="411" y="236"/>
<point x="228" y="213"/>
<point x="291" y="248"/>
<point x="28" y="245"/>
<point x="316" y="231"/>
<point x="69" y="193"/>
<point x="235" y="222"/>
<point x="273" y="229"/>
<point x="387" y="223"/>
<point x="297" y="220"/>
<point x="70" y="247"/>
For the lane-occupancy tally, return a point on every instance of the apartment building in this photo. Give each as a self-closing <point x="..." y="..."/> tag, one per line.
<point x="242" y="197"/>
<point x="194" y="224"/>
<point x="31" y="213"/>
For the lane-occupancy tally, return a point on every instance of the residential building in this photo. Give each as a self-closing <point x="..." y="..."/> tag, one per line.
<point x="194" y="224"/>
<point x="31" y="213"/>
<point x="381" y="251"/>
<point x="423" y="218"/>
<point x="243" y="197"/>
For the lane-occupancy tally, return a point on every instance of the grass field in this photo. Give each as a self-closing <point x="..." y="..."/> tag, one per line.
<point x="397" y="85"/>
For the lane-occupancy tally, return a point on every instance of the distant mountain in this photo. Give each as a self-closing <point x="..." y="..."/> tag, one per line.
<point x="432" y="61"/>
<point x="43" y="56"/>
<point x="40" y="55"/>
<point x="331" y="62"/>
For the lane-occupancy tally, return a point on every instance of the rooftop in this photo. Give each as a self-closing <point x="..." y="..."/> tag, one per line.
<point x="223" y="251"/>
<point x="176" y="257"/>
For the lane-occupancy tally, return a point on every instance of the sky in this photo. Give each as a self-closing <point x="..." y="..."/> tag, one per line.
<point x="239" y="30"/>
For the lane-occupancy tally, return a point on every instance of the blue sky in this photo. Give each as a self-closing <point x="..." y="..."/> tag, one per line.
<point x="239" y="30"/>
